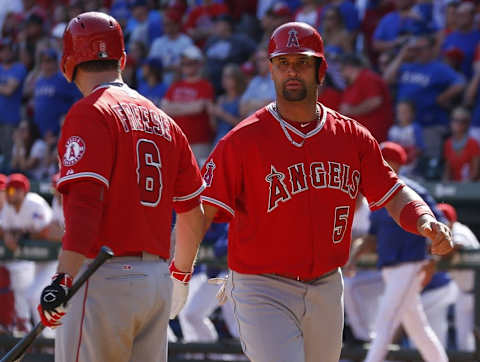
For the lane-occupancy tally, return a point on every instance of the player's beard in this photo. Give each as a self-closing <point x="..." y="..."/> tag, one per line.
<point x="294" y="95"/>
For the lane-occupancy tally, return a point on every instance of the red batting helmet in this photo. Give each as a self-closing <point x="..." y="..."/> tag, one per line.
<point x="90" y="36"/>
<point x="298" y="38"/>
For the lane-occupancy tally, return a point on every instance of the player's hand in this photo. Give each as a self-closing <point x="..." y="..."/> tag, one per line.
<point x="53" y="298"/>
<point x="222" y="293"/>
<point x="438" y="233"/>
<point x="180" y="281"/>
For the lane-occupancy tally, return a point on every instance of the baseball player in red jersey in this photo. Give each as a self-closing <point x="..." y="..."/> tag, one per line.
<point x="286" y="178"/>
<point x="125" y="165"/>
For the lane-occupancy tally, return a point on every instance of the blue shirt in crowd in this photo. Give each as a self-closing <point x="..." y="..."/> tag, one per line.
<point x="423" y="83"/>
<point x="393" y="25"/>
<point x="395" y="245"/>
<point x="466" y="42"/>
<point x="155" y="93"/>
<point x="11" y="105"/>
<point x="53" y="96"/>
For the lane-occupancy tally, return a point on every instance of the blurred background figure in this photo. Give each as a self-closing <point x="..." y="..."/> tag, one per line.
<point x="366" y="97"/>
<point x="260" y="90"/>
<point x="26" y="215"/>
<point x="408" y="134"/>
<point x="461" y="152"/>
<point x="169" y="47"/>
<point x="12" y="75"/>
<point x="465" y="240"/>
<point x="225" y="111"/>
<point x="188" y="100"/>
<point x="151" y="83"/>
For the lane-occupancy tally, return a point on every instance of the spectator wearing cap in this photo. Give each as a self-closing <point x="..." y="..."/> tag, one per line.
<point x="464" y="38"/>
<point x="199" y="22"/>
<point x="12" y="76"/>
<point x="430" y="84"/>
<point x="223" y="47"/>
<point x="170" y="45"/>
<point x="52" y="96"/>
<point x="151" y="84"/>
<point x="26" y="215"/>
<point x="461" y="152"/>
<point x="261" y="90"/>
<point x="408" y="134"/>
<point x="464" y="240"/>
<point x="366" y="97"/>
<point x="188" y="100"/>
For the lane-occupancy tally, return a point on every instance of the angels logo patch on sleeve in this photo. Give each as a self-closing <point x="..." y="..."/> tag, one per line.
<point x="74" y="150"/>
<point x="208" y="176"/>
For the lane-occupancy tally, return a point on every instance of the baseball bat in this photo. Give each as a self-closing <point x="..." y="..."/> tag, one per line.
<point x="16" y="352"/>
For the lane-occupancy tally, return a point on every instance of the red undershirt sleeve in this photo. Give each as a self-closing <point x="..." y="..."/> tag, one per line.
<point x="83" y="207"/>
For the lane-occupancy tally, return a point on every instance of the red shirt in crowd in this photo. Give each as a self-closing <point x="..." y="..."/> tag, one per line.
<point x="368" y="85"/>
<point x="195" y="126"/>
<point x="459" y="161"/>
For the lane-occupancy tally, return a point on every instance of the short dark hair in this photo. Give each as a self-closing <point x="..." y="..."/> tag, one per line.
<point x="96" y="66"/>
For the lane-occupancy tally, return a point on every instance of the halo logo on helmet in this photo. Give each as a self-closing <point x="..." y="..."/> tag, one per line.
<point x="293" y="39"/>
<point x="90" y="36"/>
<point x="298" y="38"/>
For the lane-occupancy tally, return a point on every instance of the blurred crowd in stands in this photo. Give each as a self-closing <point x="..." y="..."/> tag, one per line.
<point x="409" y="70"/>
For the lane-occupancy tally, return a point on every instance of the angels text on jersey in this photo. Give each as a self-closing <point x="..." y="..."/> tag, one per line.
<point x="300" y="177"/>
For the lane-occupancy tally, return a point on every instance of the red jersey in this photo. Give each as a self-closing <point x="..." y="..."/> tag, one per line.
<point x="290" y="197"/>
<point x="459" y="161"/>
<point x="119" y="138"/>
<point x="368" y="85"/>
<point x="196" y="126"/>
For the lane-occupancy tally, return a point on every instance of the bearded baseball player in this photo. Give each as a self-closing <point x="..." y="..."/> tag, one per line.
<point x="286" y="178"/>
<point x="124" y="166"/>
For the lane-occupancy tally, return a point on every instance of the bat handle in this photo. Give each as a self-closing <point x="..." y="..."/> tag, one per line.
<point x="19" y="349"/>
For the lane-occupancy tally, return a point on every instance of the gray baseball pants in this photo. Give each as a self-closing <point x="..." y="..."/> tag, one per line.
<point x="284" y="320"/>
<point x="120" y="314"/>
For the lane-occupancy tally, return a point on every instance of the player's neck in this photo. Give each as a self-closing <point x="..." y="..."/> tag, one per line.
<point x="87" y="82"/>
<point x="297" y="111"/>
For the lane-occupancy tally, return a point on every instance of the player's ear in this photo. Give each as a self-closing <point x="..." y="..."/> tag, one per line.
<point x="123" y="61"/>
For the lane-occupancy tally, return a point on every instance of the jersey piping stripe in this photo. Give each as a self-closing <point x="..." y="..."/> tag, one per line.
<point x="313" y="132"/>
<point x="83" y="175"/>
<point x="387" y="195"/>
<point x="218" y="203"/>
<point x="81" y="320"/>
<point x="192" y="195"/>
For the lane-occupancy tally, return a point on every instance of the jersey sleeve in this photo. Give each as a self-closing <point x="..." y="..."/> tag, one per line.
<point x="378" y="182"/>
<point x="222" y="174"/>
<point x="86" y="147"/>
<point x="188" y="183"/>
